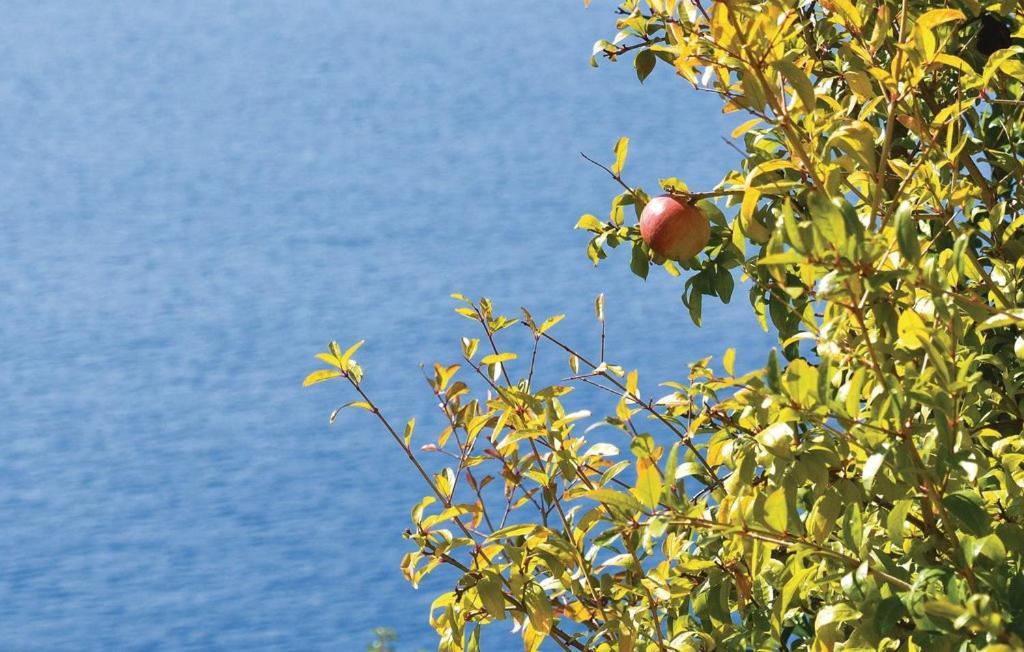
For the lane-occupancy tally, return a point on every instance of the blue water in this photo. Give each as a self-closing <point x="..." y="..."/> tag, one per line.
<point x="195" y="196"/>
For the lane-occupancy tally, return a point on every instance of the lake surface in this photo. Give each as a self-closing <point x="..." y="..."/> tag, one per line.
<point x="195" y="196"/>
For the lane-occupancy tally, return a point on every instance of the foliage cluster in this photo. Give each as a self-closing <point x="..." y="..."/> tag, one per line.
<point x="865" y="489"/>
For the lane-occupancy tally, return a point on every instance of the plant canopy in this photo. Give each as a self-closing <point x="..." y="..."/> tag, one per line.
<point x="864" y="490"/>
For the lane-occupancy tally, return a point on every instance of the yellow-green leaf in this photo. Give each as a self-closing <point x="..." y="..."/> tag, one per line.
<point x="532" y="639"/>
<point x="933" y="18"/>
<point x="750" y="197"/>
<point x="621" y="151"/>
<point x="776" y="511"/>
<point x="785" y="258"/>
<point x="1005" y="318"/>
<point x="744" y="128"/>
<point x="409" y="427"/>
<point x="615" y="498"/>
<point x="345" y="357"/>
<point x="778" y="439"/>
<point x="911" y="329"/>
<point x="550" y="321"/>
<point x="632" y="384"/>
<point x="320" y="375"/>
<point x="489" y="589"/>
<point x="521" y="529"/>
<point x="860" y="84"/>
<point x="590" y="223"/>
<point x="853" y="392"/>
<point x="799" y="80"/>
<point x="356" y="404"/>
<point x="498" y="357"/>
<point x="538" y="608"/>
<point x="330" y="359"/>
<point x="648" y="483"/>
<point x="849" y="12"/>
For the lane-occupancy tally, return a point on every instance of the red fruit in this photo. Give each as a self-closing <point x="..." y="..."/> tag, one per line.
<point x="674" y="229"/>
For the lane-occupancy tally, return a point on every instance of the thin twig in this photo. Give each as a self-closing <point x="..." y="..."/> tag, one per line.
<point x="613" y="175"/>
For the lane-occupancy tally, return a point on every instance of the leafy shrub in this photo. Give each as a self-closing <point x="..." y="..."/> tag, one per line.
<point x="861" y="491"/>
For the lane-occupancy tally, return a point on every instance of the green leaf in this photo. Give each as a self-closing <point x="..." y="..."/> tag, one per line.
<point x="827" y="218"/>
<point x="896" y="521"/>
<point x="724" y="284"/>
<point x="489" y="588"/>
<point x="822" y="518"/>
<point x="639" y="263"/>
<point x="519" y="530"/>
<point x="614" y="498"/>
<point x="859" y="83"/>
<point x="906" y="232"/>
<point x="799" y="238"/>
<point x="1005" y="318"/>
<point x="778" y="439"/>
<point x="943" y="609"/>
<point x="966" y="509"/>
<point x="991" y="547"/>
<point x="693" y="305"/>
<point x="602" y="449"/>
<point x="621" y="151"/>
<point x="785" y="258"/>
<point x="776" y="510"/>
<point x="772" y="374"/>
<point x="888" y="613"/>
<point x="853" y="527"/>
<point x="853" y="392"/>
<point x="793" y="585"/>
<point x="687" y="469"/>
<point x="835" y="613"/>
<point x="800" y="82"/>
<point x="670" y="469"/>
<point x="856" y="140"/>
<point x="644" y="64"/>
<point x="753" y="92"/>
<point x="538" y="608"/>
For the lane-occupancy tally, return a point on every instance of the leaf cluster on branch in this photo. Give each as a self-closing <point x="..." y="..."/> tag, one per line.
<point x="864" y="490"/>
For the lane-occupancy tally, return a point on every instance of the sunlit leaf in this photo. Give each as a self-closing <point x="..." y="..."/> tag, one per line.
<point x="320" y="376"/>
<point x="621" y="151"/>
<point x="648" y="483"/>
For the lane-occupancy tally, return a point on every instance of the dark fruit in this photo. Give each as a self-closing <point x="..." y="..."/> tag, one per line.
<point x="994" y="34"/>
